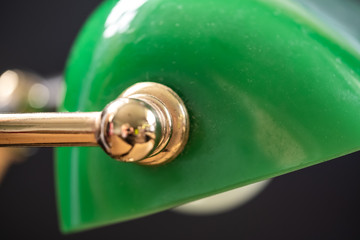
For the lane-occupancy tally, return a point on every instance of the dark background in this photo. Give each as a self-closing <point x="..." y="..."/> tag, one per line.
<point x="319" y="202"/>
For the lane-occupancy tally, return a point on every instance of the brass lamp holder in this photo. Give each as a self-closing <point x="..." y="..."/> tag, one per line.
<point x="148" y="124"/>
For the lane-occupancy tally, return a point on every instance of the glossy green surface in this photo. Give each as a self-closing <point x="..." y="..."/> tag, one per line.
<point x="268" y="89"/>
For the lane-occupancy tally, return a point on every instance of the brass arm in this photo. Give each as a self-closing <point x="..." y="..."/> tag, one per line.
<point x="147" y="124"/>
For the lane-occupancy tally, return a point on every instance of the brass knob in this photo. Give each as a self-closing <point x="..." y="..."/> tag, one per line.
<point x="147" y="124"/>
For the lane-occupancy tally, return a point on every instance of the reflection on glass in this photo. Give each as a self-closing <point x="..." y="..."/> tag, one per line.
<point x="121" y="16"/>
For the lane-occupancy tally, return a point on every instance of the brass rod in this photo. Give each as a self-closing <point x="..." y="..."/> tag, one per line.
<point x="148" y="124"/>
<point x="5" y="161"/>
<point x="49" y="129"/>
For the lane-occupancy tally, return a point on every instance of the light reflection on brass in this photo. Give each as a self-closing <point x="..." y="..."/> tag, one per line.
<point x="148" y="124"/>
<point x="48" y="129"/>
<point x="172" y="113"/>
<point x="129" y="129"/>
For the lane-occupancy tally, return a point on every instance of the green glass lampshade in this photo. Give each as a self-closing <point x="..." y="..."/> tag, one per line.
<point x="269" y="89"/>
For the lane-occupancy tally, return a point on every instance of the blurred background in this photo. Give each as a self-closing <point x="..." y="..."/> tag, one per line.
<point x="319" y="202"/>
